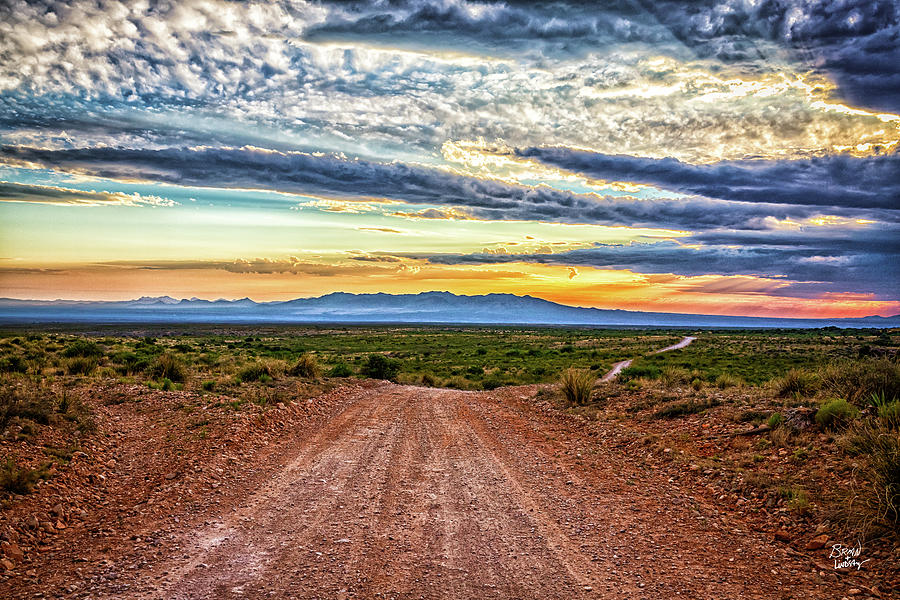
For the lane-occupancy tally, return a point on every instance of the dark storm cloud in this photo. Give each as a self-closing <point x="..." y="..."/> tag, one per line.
<point x="500" y="27"/>
<point x="338" y="177"/>
<point x="838" y="180"/>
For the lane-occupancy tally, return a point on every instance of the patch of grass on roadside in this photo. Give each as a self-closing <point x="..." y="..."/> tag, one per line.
<point x="688" y="407"/>
<point x="20" y="480"/>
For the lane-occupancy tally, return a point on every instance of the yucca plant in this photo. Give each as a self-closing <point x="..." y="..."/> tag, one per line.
<point x="577" y="385"/>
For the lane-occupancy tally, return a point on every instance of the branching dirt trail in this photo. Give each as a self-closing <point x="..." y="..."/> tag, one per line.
<point x="433" y="493"/>
<point x="619" y="366"/>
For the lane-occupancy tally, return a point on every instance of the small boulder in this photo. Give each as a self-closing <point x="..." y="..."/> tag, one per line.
<point x="800" y="418"/>
<point x="782" y="536"/>
<point x="818" y="542"/>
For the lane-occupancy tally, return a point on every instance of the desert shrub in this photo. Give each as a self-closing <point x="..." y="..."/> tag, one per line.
<point x="697" y="383"/>
<point x="131" y="363"/>
<point x="879" y="446"/>
<point x="79" y="365"/>
<point x="84" y="349"/>
<point x="208" y="386"/>
<point x="636" y="371"/>
<point x="379" y="366"/>
<point x="341" y="369"/>
<point x="797" y="500"/>
<point x="577" y="385"/>
<point x="857" y="380"/>
<point x="168" y="366"/>
<point x="458" y="382"/>
<point x="670" y="375"/>
<point x="836" y="414"/>
<point x="493" y="382"/>
<point x="679" y="409"/>
<point x="775" y="420"/>
<point x="306" y="366"/>
<point x="888" y="410"/>
<point x="428" y="379"/>
<point x="727" y="380"/>
<point x="166" y="385"/>
<point x="889" y="413"/>
<point x="13" y="364"/>
<point x="796" y="382"/>
<point x="19" y="480"/>
<point x="258" y="371"/>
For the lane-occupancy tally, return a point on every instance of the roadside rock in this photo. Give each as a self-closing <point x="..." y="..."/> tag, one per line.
<point x="782" y="536"/>
<point x="801" y="417"/>
<point x="818" y="542"/>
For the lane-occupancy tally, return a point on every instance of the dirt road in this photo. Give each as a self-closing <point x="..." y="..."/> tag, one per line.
<point x="432" y="493"/>
<point x="621" y="365"/>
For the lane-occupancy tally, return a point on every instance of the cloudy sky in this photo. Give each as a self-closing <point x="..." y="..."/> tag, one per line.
<point x="707" y="156"/>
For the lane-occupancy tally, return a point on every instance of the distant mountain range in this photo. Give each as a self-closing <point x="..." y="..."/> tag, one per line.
<point x="427" y="307"/>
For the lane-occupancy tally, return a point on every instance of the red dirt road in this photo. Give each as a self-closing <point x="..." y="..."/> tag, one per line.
<point x="432" y="493"/>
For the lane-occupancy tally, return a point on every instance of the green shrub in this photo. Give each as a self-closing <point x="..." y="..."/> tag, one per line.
<point x="727" y="380"/>
<point x="165" y="384"/>
<point x="887" y="410"/>
<point x="697" y="384"/>
<point x="256" y="372"/>
<point x="493" y="382"/>
<point x="80" y="365"/>
<point x="775" y="421"/>
<point x="428" y="379"/>
<point x="459" y="383"/>
<point x="168" y="366"/>
<point x="380" y="366"/>
<point x="836" y="414"/>
<point x="679" y="409"/>
<point x="858" y="380"/>
<point x="306" y="366"/>
<point x="879" y="446"/>
<point x="796" y="382"/>
<point x="577" y="385"/>
<point x="17" y="480"/>
<point x="208" y="386"/>
<point x="636" y="371"/>
<point x="13" y="364"/>
<point x="889" y="413"/>
<point x="341" y="369"/>
<point x="25" y="403"/>
<point x="84" y="349"/>
<point x="131" y="363"/>
<point x="670" y="376"/>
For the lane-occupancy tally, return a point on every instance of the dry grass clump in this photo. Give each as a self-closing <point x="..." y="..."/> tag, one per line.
<point x="857" y="380"/>
<point x="796" y="382"/>
<point x="727" y="380"/>
<point x="877" y="504"/>
<point x="258" y="371"/>
<point x="307" y="366"/>
<point x="577" y="385"/>
<point x="79" y="365"/>
<point x="671" y="376"/>
<point x="168" y="366"/>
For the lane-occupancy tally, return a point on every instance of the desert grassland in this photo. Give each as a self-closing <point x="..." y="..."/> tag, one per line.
<point x="792" y="427"/>
<point x="466" y="358"/>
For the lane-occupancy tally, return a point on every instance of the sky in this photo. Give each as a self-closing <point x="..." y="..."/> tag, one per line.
<point x="710" y="156"/>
